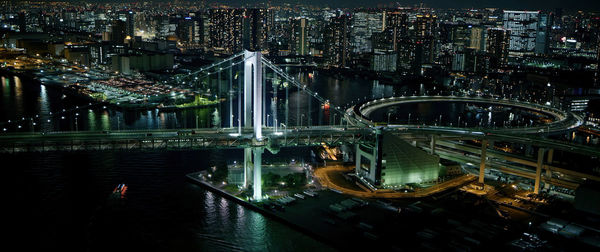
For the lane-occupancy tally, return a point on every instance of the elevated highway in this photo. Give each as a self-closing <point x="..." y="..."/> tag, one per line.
<point x="562" y="121"/>
<point x="179" y="139"/>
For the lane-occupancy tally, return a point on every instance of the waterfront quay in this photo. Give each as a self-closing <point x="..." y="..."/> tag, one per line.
<point x="436" y="222"/>
<point x="99" y="85"/>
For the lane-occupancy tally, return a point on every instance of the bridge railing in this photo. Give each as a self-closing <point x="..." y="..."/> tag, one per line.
<point x="95" y="141"/>
<point x="563" y="120"/>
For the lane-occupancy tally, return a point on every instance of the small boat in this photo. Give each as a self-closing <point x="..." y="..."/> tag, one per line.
<point x="119" y="191"/>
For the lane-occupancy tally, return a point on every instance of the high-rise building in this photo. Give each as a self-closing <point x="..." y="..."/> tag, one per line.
<point x="557" y="19"/>
<point x="497" y="45"/>
<point x="118" y="31"/>
<point x="384" y="61"/>
<point x="364" y="24"/>
<point x="597" y="74"/>
<point x="477" y="40"/>
<point x="396" y="24"/>
<point x="22" y="22"/>
<point x="381" y="41"/>
<point x="205" y="36"/>
<point x="456" y="34"/>
<point x="231" y="30"/>
<point x="226" y="29"/>
<point x="523" y="30"/>
<point x="528" y="31"/>
<point x="128" y="18"/>
<point x="255" y="35"/>
<point x="188" y="30"/>
<point x="467" y="60"/>
<point x="299" y="36"/>
<point x="407" y="54"/>
<point x="337" y="41"/>
<point x="543" y="33"/>
<point x="424" y="28"/>
<point x="162" y="26"/>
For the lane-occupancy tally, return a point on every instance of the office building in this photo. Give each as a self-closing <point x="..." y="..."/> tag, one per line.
<point x="299" y="36"/>
<point x="364" y="24"/>
<point x="337" y="39"/>
<point x="497" y="46"/>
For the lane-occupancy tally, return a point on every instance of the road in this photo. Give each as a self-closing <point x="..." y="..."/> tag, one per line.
<point x="563" y="121"/>
<point x="323" y="176"/>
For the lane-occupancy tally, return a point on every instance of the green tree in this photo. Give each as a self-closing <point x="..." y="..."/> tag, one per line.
<point x="221" y="172"/>
<point x="271" y="179"/>
<point x="295" y="179"/>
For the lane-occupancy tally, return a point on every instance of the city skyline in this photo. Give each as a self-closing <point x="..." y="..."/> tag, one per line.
<point x="460" y="4"/>
<point x="295" y="127"/>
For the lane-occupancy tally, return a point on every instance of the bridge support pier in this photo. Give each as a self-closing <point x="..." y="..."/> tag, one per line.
<point x="538" y="170"/>
<point x="432" y="145"/>
<point x="528" y="150"/>
<point x="484" y="144"/>
<point x="548" y="171"/>
<point x="257" y="185"/>
<point x="247" y="166"/>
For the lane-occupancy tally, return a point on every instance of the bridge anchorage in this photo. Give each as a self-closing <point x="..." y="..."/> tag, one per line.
<point x="268" y="117"/>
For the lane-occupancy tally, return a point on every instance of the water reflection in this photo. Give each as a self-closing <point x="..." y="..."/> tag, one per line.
<point x="49" y="104"/>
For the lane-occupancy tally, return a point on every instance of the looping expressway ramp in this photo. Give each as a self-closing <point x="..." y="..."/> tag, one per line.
<point x="475" y="146"/>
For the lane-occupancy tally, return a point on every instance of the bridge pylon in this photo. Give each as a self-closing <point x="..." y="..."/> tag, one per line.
<point x="253" y="92"/>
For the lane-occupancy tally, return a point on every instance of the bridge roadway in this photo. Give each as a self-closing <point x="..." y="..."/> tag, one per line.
<point x="225" y="138"/>
<point x="424" y="133"/>
<point x="510" y="164"/>
<point x="563" y="121"/>
<point x="228" y="138"/>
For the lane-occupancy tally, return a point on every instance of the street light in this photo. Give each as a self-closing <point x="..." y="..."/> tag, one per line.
<point x="267" y="122"/>
<point x="388" y="121"/>
<point x="301" y="119"/>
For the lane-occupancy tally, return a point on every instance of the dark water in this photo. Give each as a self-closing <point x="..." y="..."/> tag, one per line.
<point x="61" y="200"/>
<point x="453" y="113"/>
<point x="32" y="107"/>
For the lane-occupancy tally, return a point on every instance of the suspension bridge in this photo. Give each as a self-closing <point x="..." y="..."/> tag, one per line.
<point x="270" y="109"/>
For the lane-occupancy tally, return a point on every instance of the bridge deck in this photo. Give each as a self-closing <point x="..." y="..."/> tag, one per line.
<point x="177" y="139"/>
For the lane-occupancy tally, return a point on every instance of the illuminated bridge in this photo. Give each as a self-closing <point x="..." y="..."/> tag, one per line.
<point x="193" y="139"/>
<point x="264" y="117"/>
<point x="562" y="121"/>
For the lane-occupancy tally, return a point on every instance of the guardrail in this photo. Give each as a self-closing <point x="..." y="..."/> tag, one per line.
<point x="564" y="121"/>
